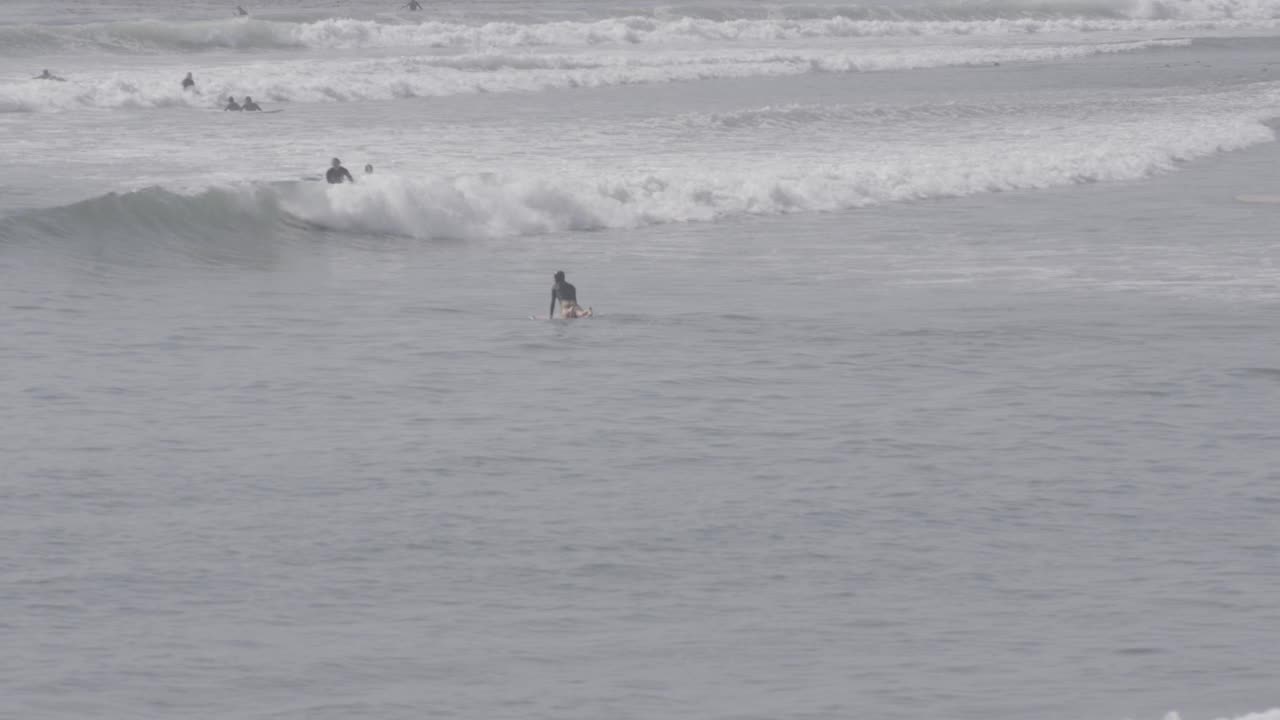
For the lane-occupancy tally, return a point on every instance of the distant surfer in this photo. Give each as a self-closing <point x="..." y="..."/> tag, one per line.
<point x="337" y="174"/>
<point x="368" y="169"/>
<point x="46" y="75"/>
<point x="241" y="12"/>
<point x="250" y="105"/>
<point x="232" y="105"/>
<point x="566" y="294"/>
<point x="188" y="82"/>
<point x="414" y="5"/>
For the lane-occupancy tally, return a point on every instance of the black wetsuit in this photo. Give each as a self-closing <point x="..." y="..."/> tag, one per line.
<point x="338" y="175"/>
<point x="233" y="107"/>
<point x="188" y="83"/>
<point x="564" y="291"/>
<point x="251" y="106"/>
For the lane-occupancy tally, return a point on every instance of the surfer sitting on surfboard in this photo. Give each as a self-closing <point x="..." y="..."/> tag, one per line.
<point x="250" y="105"/>
<point x="567" y="294"/>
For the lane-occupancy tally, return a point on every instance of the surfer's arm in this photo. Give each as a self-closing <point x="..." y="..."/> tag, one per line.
<point x="552" y="310"/>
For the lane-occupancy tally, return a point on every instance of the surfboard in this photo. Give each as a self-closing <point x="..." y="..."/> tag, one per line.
<point x="580" y="317"/>
<point x="1266" y="199"/>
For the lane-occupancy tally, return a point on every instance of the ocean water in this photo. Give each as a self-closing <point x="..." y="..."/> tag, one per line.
<point x="933" y="374"/>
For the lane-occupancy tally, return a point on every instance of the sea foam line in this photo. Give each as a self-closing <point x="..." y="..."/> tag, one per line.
<point x="703" y="189"/>
<point x="159" y="36"/>
<point x="431" y="76"/>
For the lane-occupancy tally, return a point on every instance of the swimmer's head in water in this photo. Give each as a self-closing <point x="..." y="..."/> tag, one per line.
<point x="336" y="162"/>
<point x="559" y="275"/>
<point x="368" y="169"/>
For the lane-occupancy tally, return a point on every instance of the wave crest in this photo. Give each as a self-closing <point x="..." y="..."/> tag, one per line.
<point x="161" y="36"/>
<point x="428" y="76"/>
<point x="475" y="206"/>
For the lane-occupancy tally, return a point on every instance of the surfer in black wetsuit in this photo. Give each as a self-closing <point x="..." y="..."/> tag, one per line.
<point x="564" y="292"/>
<point x="241" y="12"/>
<point x="232" y="105"/>
<point x="188" y="82"/>
<point x="414" y="5"/>
<point x="337" y="174"/>
<point x="46" y="75"/>
<point x="250" y="105"/>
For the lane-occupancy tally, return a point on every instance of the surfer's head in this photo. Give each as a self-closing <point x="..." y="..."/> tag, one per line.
<point x="559" y="275"/>
<point x="336" y="162"/>
<point x="368" y="169"/>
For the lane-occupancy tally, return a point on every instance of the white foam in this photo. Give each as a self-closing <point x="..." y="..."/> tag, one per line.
<point x="429" y="76"/>
<point x="156" y="36"/>
<point x="530" y="203"/>
<point x="1273" y="714"/>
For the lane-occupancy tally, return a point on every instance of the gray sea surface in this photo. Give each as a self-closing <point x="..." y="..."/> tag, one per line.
<point x="938" y="392"/>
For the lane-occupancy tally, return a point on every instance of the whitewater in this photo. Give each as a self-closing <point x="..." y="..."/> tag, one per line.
<point x="932" y="372"/>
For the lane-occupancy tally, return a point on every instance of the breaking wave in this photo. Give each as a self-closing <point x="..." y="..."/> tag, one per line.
<point x="430" y="76"/>
<point x="486" y="205"/>
<point x="161" y="36"/>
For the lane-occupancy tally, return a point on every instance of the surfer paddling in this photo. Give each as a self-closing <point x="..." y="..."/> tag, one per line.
<point x="414" y="5"/>
<point x="567" y="295"/>
<point x="188" y="82"/>
<point x="46" y="75"/>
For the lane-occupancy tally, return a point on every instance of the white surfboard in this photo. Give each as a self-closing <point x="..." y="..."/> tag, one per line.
<point x="1267" y="199"/>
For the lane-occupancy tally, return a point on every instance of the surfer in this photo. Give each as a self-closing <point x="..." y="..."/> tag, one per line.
<point x="368" y="169"/>
<point x="188" y="82"/>
<point x="241" y="12"/>
<point x="232" y="105"/>
<point x="46" y="75"/>
<point x="337" y="174"/>
<point x="414" y="5"/>
<point x="567" y="295"/>
<point x="250" y="105"/>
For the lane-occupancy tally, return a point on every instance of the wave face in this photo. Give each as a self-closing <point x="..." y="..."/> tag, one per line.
<point x="427" y="76"/>
<point x="144" y="37"/>
<point x="477" y="206"/>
